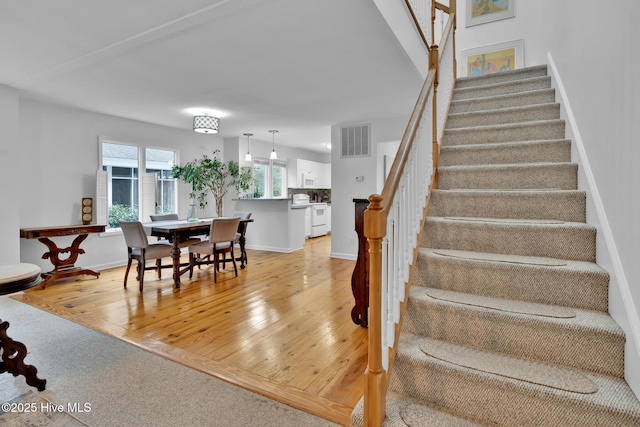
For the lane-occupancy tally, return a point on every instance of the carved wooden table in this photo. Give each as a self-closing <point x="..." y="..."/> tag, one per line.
<point x="62" y="267"/>
<point x="177" y="231"/>
<point x="12" y="354"/>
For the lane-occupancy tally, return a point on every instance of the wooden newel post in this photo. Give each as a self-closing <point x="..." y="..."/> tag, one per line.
<point x="375" y="376"/>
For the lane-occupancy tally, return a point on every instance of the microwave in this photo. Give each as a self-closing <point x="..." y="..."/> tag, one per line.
<point x="308" y="182"/>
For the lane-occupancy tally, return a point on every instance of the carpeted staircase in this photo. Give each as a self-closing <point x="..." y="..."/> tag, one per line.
<point x="507" y="319"/>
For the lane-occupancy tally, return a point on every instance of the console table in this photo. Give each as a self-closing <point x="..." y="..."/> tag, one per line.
<point x="62" y="267"/>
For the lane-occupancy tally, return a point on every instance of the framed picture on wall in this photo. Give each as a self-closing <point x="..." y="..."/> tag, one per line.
<point x="483" y="11"/>
<point x="491" y="59"/>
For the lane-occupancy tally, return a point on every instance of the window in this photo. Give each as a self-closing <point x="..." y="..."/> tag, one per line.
<point x="123" y="193"/>
<point x="270" y="178"/>
<point x="160" y="162"/>
<point x="279" y="178"/>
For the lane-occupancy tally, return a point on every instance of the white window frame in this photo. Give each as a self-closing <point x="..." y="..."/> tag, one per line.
<point x="268" y="176"/>
<point x="146" y="183"/>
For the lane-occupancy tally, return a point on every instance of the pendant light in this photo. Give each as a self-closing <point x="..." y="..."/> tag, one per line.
<point x="273" y="155"/>
<point x="247" y="157"/>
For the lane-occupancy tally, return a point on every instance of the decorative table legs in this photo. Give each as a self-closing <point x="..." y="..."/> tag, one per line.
<point x="13" y="354"/>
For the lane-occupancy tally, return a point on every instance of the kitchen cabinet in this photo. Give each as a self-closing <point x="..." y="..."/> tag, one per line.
<point x="312" y="174"/>
<point x="329" y="219"/>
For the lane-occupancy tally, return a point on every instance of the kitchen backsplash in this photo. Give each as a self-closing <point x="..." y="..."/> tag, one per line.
<point x="316" y="195"/>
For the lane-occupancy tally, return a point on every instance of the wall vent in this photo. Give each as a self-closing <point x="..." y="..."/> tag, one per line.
<point x="355" y="141"/>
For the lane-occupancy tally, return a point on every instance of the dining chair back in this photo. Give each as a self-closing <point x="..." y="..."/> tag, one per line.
<point x="164" y="217"/>
<point x="222" y="236"/>
<point x="138" y="248"/>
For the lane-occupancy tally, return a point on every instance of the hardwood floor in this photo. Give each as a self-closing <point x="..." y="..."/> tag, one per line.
<point x="282" y="328"/>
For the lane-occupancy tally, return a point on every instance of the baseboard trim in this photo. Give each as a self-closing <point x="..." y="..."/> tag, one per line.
<point x="352" y="257"/>
<point x="272" y="249"/>
<point x="625" y="313"/>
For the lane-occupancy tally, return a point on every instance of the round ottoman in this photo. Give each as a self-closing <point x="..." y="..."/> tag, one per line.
<point x="17" y="277"/>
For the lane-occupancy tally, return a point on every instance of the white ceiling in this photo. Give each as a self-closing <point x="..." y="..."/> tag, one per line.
<point x="298" y="66"/>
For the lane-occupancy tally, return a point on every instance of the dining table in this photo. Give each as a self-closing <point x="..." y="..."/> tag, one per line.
<point x="178" y="231"/>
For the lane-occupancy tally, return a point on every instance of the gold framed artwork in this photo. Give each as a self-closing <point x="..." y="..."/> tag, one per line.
<point x="492" y="59"/>
<point x="483" y="11"/>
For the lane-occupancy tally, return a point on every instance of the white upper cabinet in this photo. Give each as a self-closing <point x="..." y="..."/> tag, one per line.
<point x="313" y="174"/>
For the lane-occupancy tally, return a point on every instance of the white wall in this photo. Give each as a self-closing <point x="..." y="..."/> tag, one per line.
<point x="344" y="188"/>
<point x="592" y="46"/>
<point x="58" y="158"/>
<point x="530" y="24"/>
<point x="13" y="167"/>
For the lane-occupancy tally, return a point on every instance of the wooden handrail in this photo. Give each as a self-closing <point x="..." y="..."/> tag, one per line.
<point x="376" y="219"/>
<point x="416" y="21"/>
<point x="442" y="7"/>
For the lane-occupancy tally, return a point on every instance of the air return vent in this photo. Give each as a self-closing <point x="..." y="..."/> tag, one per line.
<point x="355" y="141"/>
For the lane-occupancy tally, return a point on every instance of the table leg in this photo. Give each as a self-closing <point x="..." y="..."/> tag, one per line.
<point x="64" y="267"/>
<point x="175" y="257"/>
<point x="243" y="253"/>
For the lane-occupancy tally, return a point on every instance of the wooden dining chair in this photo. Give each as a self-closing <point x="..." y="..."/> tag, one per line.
<point x="242" y="230"/>
<point x="139" y="248"/>
<point x="222" y="236"/>
<point x="164" y="217"/>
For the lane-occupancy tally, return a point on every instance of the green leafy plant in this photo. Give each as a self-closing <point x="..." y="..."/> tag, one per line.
<point x="212" y="175"/>
<point x="121" y="213"/>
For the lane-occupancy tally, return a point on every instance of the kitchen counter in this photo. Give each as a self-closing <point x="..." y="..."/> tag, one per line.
<point x="277" y="226"/>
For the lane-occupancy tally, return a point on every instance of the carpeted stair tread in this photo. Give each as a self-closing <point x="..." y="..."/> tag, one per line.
<point x="577" y="284"/>
<point x="542" y="151"/>
<point x="500" y="304"/>
<point x="403" y="411"/>
<point x="510" y="176"/>
<point x="564" y="205"/>
<point x="518" y="99"/>
<point x="498" y="88"/>
<point x="523" y="131"/>
<point x="508" y="258"/>
<point x="567" y="240"/>
<point x="504" y="77"/>
<point x="506" y="401"/>
<point x="520" y="369"/>
<point x="591" y="340"/>
<point x="504" y="116"/>
<point x="516" y="221"/>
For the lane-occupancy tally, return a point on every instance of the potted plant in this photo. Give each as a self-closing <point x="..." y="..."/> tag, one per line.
<point x="212" y="175"/>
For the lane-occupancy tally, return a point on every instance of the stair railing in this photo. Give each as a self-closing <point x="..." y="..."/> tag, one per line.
<point x="394" y="220"/>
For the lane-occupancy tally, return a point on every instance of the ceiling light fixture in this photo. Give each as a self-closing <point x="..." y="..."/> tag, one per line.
<point x="273" y="155"/>
<point x="206" y="124"/>
<point x="247" y="157"/>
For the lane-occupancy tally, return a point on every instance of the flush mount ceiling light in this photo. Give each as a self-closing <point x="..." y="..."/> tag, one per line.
<point x="247" y="157"/>
<point x="206" y="124"/>
<point x="273" y="155"/>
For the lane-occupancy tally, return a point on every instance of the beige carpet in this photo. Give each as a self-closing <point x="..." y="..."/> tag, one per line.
<point x="515" y="259"/>
<point x="524" y="370"/>
<point x="122" y="384"/>
<point x="512" y="306"/>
